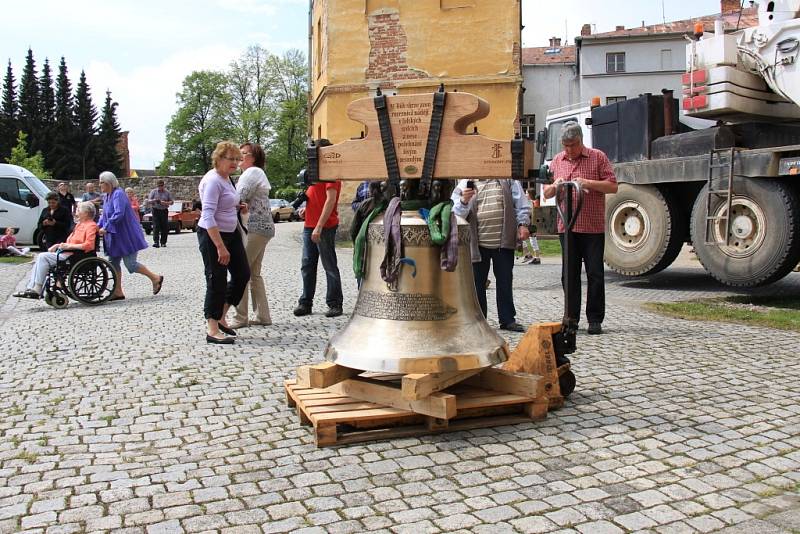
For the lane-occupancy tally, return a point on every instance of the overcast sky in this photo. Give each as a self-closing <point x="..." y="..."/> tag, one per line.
<point x="142" y="49"/>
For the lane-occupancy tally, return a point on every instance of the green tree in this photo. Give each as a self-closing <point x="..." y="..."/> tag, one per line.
<point x="65" y="159"/>
<point x="20" y="156"/>
<point x="202" y="120"/>
<point x="106" y="156"/>
<point x="28" y="117"/>
<point x="85" y="119"/>
<point x="47" y="112"/>
<point x="252" y="84"/>
<point x="286" y="154"/>
<point x="8" y="114"/>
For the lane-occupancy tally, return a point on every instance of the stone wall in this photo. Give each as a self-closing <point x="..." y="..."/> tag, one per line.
<point x="181" y="187"/>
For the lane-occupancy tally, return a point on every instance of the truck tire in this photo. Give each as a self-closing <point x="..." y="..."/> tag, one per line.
<point x="645" y="230"/>
<point x="765" y="233"/>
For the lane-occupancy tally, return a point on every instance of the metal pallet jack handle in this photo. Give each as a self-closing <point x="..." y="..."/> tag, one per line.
<point x="564" y="341"/>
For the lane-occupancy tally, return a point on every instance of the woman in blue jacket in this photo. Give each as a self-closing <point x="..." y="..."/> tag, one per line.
<point x="123" y="237"/>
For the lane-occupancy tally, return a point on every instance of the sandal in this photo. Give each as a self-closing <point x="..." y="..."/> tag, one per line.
<point x="120" y="297"/>
<point x="226" y="330"/>
<point x="157" y="285"/>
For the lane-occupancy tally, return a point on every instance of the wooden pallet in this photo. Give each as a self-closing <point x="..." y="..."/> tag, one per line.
<point x="339" y="418"/>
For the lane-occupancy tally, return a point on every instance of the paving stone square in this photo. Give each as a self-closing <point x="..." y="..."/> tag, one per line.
<point x="119" y="418"/>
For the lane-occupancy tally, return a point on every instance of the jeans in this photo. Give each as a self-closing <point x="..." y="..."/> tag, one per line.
<point x="130" y="262"/>
<point x="312" y="252"/>
<point x="502" y="262"/>
<point x="160" y="226"/>
<point x="220" y="291"/>
<point x="586" y="248"/>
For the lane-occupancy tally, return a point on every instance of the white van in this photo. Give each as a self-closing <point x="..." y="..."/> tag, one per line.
<point x="21" y="195"/>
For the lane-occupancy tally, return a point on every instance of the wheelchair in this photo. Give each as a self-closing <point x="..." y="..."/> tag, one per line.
<point x="81" y="276"/>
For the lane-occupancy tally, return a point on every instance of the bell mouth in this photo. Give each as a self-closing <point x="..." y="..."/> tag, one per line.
<point x="383" y="362"/>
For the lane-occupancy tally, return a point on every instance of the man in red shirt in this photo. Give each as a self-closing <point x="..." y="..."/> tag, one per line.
<point x="319" y="233"/>
<point x="591" y="169"/>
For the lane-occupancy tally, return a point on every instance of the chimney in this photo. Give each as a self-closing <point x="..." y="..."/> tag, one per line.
<point x="586" y="29"/>
<point x="729" y="6"/>
<point x="620" y="28"/>
<point x="555" y="42"/>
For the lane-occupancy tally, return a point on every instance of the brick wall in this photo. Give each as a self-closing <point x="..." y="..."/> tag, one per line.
<point x="388" y="48"/>
<point x="181" y="187"/>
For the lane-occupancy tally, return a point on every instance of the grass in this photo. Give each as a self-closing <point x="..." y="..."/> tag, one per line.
<point x="548" y="247"/>
<point x="15" y="260"/>
<point x="782" y="313"/>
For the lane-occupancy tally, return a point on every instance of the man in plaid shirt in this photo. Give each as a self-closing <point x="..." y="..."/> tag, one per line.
<point x="591" y="169"/>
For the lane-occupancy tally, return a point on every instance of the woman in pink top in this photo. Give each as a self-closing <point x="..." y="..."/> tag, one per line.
<point x="221" y="243"/>
<point x="83" y="238"/>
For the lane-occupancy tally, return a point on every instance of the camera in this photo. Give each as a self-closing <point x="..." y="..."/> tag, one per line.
<point x="299" y="199"/>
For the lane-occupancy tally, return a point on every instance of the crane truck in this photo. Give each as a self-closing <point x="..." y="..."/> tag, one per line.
<point x="731" y="190"/>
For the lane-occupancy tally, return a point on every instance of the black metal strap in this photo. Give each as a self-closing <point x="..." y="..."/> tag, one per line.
<point x="312" y="168"/>
<point x="517" y="159"/>
<point x="389" y="153"/>
<point x="437" y="116"/>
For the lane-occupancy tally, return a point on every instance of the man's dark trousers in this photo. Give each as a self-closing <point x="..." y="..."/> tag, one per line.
<point x="586" y="249"/>
<point x="160" y="226"/>
<point x="312" y="253"/>
<point x="502" y="262"/>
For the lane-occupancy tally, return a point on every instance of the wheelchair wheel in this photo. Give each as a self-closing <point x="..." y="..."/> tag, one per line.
<point x="59" y="301"/>
<point x="48" y="299"/>
<point x="92" y="281"/>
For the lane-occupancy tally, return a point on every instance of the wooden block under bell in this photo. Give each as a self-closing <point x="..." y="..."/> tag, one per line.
<point x="439" y="405"/>
<point x="417" y="386"/>
<point x="515" y="383"/>
<point x="324" y="374"/>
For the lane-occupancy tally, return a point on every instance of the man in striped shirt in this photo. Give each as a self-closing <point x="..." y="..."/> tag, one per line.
<point x="591" y="169"/>
<point x="498" y="214"/>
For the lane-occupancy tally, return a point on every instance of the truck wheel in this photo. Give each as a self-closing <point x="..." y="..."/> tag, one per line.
<point x="645" y="230"/>
<point x="764" y="242"/>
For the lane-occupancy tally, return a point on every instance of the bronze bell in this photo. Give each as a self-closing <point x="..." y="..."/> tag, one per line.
<point x="431" y="323"/>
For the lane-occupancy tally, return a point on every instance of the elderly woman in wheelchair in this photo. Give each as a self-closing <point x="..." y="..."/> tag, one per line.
<point x="72" y="269"/>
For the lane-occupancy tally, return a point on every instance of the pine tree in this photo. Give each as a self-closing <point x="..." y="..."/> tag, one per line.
<point x="65" y="157"/>
<point x="85" y="119"/>
<point x="47" y="112"/>
<point x="8" y="115"/>
<point x="29" y="103"/>
<point x="106" y="156"/>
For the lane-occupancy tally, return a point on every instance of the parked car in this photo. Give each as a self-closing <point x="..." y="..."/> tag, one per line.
<point x="180" y="214"/>
<point x="281" y="210"/>
<point x="21" y="194"/>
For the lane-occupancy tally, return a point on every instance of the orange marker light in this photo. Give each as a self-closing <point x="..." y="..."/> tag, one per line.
<point x="698" y="29"/>
<point x="595" y="101"/>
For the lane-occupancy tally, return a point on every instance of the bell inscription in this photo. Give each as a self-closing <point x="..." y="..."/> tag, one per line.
<point x="402" y="306"/>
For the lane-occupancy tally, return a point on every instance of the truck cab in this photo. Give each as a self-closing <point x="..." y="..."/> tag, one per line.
<point x="21" y="194"/>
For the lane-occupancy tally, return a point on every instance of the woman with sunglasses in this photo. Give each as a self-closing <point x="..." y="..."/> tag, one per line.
<point x="221" y="243"/>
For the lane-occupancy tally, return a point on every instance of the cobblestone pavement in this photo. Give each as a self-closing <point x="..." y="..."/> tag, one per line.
<point x="119" y="418"/>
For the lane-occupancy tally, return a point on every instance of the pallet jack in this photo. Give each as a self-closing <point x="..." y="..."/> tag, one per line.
<point x="544" y="348"/>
